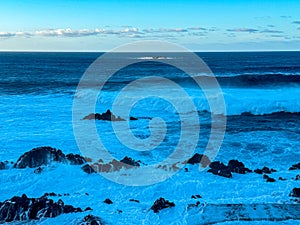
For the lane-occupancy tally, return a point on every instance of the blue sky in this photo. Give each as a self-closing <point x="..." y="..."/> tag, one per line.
<point x="202" y="25"/>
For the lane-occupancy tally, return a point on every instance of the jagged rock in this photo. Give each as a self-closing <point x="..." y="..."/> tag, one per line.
<point x="133" y="118"/>
<point x="295" y="193"/>
<point x="218" y="168"/>
<point x="38" y="170"/>
<point x="2" y="165"/>
<point x="108" y="115"/>
<point x="160" y="204"/>
<point x="236" y="166"/>
<point x="88" y="169"/>
<point x="40" y="156"/>
<point x="75" y="159"/>
<point x="295" y="167"/>
<point x="129" y="161"/>
<point x="199" y="158"/>
<point x="264" y="170"/>
<point x="108" y="201"/>
<point x="88" y="209"/>
<point x="196" y="196"/>
<point x="25" y="209"/>
<point x="91" y="220"/>
<point x="268" y="179"/>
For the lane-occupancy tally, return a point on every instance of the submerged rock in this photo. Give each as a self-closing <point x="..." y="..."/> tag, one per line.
<point x="265" y="170"/>
<point x="295" y="193"/>
<point x="38" y="170"/>
<point x="91" y="220"/>
<point x="2" y="165"/>
<point x="40" y="156"/>
<point x="25" y="209"/>
<point x="295" y="167"/>
<point x="268" y="179"/>
<point x="218" y="168"/>
<point x="160" y="204"/>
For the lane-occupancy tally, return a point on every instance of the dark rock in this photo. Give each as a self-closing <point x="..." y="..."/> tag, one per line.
<point x="193" y="205"/>
<point x="199" y="158"/>
<point x="40" y="156"/>
<point x="38" y="170"/>
<point x="133" y="118"/>
<point x="91" y="220"/>
<point x="186" y="170"/>
<point x="160" y="204"/>
<point x="268" y="179"/>
<point x="133" y="200"/>
<point x="88" y="169"/>
<point x="297" y="177"/>
<point x="238" y="167"/>
<point x="295" y="193"/>
<point x="196" y="196"/>
<point x="108" y="201"/>
<point x="2" y="165"/>
<point x="108" y="115"/>
<point x="295" y="167"/>
<point x="264" y="170"/>
<point x="129" y="161"/>
<point x="218" y="168"/>
<point x="282" y="179"/>
<point x="25" y="209"/>
<point x="75" y="159"/>
<point x="88" y="209"/>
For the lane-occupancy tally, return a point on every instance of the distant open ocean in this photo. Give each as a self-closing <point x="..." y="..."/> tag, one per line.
<point x="262" y="96"/>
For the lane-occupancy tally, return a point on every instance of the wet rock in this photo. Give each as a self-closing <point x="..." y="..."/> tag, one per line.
<point x="238" y="167"/>
<point x="88" y="209"/>
<point x="133" y="118"/>
<point x="295" y="193"/>
<point x="75" y="159"/>
<point x="108" y="115"/>
<point x="40" y="156"/>
<point x="196" y="196"/>
<point x="88" y="169"/>
<point x="38" y="170"/>
<point x="218" y="168"/>
<point x="295" y="167"/>
<point x="129" y="161"/>
<point x="160" y="204"/>
<point x="268" y="179"/>
<point x="91" y="220"/>
<point x="193" y="205"/>
<point x="199" y="158"/>
<point x="108" y="201"/>
<point x="2" y="166"/>
<point x="282" y="179"/>
<point x="264" y="170"/>
<point x="25" y="209"/>
<point x="134" y="200"/>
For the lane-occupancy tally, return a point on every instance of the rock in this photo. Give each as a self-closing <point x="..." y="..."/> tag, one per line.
<point x="38" y="170"/>
<point x="108" y="115"/>
<point x="75" y="159"/>
<point x="264" y="170"/>
<point x="91" y="220"/>
<point x="297" y="177"/>
<point x="199" y="158"/>
<point x="108" y="201"/>
<point x="39" y="156"/>
<point x="193" y="205"/>
<point x="282" y="179"/>
<point x="268" y="179"/>
<point x="2" y="166"/>
<point x="129" y="161"/>
<point x="160" y="204"/>
<point x="295" y="193"/>
<point x="134" y="200"/>
<point x="218" y="168"/>
<point x="25" y="209"/>
<point x="238" y="167"/>
<point x="133" y="118"/>
<point x="88" y="169"/>
<point x="196" y="196"/>
<point x="88" y="209"/>
<point x="295" y="167"/>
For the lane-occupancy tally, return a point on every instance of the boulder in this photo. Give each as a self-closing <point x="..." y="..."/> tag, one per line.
<point x="26" y="209"/>
<point x="295" y="167"/>
<point x="218" y="168"/>
<point x="236" y="166"/>
<point x="40" y="156"/>
<point x="91" y="220"/>
<point x="75" y="159"/>
<point x="295" y="193"/>
<point x="160" y="204"/>
<point x="268" y="179"/>
<point x="108" y="201"/>
<point x="199" y="158"/>
<point x="265" y="170"/>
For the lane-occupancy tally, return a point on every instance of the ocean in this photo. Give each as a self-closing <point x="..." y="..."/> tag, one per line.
<point x="261" y="92"/>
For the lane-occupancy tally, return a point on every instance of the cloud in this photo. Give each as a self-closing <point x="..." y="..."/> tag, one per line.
<point x="165" y="30"/>
<point x="6" y="34"/>
<point x="271" y="31"/>
<point x="249" y="30"/>
<point x="296" y="22"/>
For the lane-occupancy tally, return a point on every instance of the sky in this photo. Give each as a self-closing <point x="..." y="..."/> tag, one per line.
<point x="199" y="25"/>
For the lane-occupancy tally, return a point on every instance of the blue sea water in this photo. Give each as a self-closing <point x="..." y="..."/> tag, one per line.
<point x="261" y="92"/>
